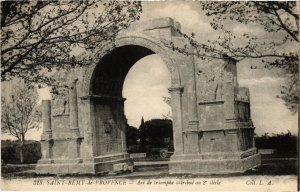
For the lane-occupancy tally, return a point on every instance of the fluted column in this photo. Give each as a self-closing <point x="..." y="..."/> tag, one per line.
<point x="123" y="127"/>
<point x="230" y="92"/>
<point x="192" y="98"/>
<point x="46" y="139"/>
<point x="73" y="105"/>
<point x="46" y="118"/>
<point x="191" y="139"/>
<point x="176" y="103"/>
<point x="74" y="149"/>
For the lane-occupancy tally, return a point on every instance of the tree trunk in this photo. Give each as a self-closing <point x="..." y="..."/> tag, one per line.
<point x="21" y="152"/>
<point x="21" y="148"/>
<point x="23" y="137"/>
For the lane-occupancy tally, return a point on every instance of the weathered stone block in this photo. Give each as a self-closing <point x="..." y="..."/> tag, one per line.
<point x="214" y="166"/>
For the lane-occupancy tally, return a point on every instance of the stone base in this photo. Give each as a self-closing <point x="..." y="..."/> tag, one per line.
<point x="97" y="165"/>
<point x="213" y="166"/>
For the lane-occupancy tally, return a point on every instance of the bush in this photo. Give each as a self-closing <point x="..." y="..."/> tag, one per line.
<point x="10" y="151"/>
<point x="155" y="133"/>
<point x="285" y="144"/>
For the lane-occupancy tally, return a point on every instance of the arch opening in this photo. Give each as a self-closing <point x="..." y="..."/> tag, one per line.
<point x="110" y="73"/>
<point x="149" y="127"/>
<point x="146" y="90"/>
<point x="106" y="90"/>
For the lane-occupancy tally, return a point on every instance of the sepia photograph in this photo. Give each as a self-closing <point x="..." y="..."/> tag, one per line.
<point x="107" y="95"/>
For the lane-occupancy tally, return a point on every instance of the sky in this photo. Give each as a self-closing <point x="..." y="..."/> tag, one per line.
<point x="144" y="88"/>
<point x="269" y="113"/>
<point x="148" y="80"/>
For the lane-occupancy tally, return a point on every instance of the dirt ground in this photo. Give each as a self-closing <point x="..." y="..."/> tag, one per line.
<point x="274" y="175"/>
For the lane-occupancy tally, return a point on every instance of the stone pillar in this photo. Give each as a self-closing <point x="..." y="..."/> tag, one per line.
<point x="230" y="92"/>
<point x="88" y="128"/>
<point x="46" y="139"/>
<point x="192" y="98"/>
<point x="46" y="117"/>
<point x="191" y="134"/>
<point x="123" y="127"/>
<point x="176" y="104"/>
<point x="73" y="105"/>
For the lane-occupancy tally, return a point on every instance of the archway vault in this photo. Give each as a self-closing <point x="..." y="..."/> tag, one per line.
<point x="213" y="132"/>
<point x="130" y="48"/>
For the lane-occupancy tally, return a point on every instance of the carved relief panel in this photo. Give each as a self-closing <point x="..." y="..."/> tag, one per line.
<point x="210" y="82"/>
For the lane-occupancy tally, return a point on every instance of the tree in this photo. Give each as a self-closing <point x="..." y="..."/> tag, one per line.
<point x="168" y="115"/>
<point x="152" y="133"/>
<point x="285" y="144"/>
<point x="131" y="135"/>
<point x="277" y="19"/>
<point x="20" y="112"/>
<point x="38" y="37"/>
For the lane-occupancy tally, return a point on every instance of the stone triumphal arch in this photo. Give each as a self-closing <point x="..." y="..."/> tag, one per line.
<point x="84" y="126"/>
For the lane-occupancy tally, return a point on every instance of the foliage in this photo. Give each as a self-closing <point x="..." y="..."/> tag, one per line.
<point x="153" y="133"/>
<point x="131" y="135"/>
<point x="284" y="143"/>
<point x="38" y="37"/>
<point x="20" y="111"/>
<point x="274" y="46"/>
<point x="10" y="151"/>
<point x="168" y="115"/>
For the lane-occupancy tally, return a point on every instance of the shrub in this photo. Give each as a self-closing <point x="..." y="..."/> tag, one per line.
<point x="284" y="143"/>
<point x="155" y="133"/>
<point x="10" y="151"/>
